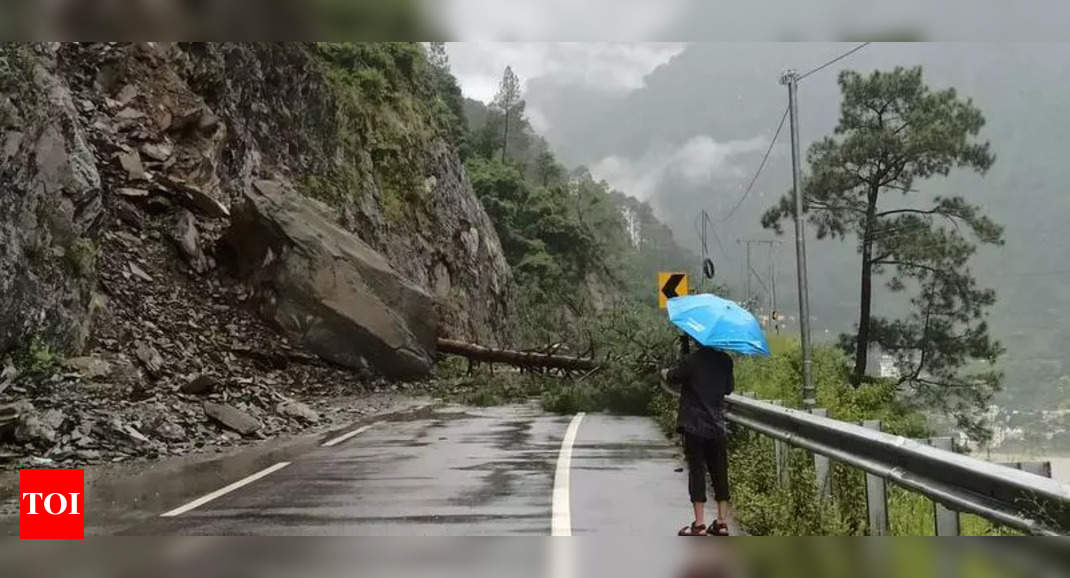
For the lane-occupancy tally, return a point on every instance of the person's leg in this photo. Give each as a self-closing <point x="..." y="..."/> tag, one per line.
<point x="717" y="460"/>
<point x="696" y="475"/>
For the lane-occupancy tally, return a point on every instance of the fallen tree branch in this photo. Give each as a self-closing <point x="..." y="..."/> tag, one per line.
<point x="517" y="358"/>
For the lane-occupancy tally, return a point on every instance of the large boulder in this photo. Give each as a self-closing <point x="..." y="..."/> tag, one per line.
<point x="327" y="288"/>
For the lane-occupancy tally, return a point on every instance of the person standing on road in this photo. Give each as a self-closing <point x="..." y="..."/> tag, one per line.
<point x="705" y="377"/>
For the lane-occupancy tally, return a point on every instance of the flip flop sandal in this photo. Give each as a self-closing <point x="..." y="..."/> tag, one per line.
<point x="693" y="530"/>
<point x="718" y="529"/>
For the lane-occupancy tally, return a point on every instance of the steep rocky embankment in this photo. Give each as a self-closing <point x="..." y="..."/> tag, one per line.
<point x="157" y="295"/>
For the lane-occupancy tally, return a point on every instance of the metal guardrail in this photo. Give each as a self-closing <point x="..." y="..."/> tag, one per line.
<point x="1014" y="498"/>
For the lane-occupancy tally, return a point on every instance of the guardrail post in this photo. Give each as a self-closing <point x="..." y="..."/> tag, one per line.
<point x="780" y="450"/>
<point x="947" y="521"/>
<point x="822" y="466"/>
<point x="876" y="496"/>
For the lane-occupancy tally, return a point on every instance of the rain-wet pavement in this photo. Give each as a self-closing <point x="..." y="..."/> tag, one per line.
<point x="445" y="470"/>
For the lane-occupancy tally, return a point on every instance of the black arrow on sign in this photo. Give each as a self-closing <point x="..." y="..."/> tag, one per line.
<point x="669" y="288"/>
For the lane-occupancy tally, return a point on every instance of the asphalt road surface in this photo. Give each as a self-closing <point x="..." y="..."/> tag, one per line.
<point x="456" y="471"/>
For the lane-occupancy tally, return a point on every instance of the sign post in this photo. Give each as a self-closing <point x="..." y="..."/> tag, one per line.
<point x="670" y="285"/>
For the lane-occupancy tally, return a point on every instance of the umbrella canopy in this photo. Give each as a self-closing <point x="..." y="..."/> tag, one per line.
<point x="718" y="323"/>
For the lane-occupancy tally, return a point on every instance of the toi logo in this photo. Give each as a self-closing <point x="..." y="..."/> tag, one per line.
<point x="51" y="504"/>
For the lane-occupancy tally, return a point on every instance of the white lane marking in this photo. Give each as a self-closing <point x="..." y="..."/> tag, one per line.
<point x="561" y="522"/>
<point x="347" y="436"/>
<point x="224" y="491"/>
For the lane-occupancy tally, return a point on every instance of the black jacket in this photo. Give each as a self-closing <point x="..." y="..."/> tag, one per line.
<point x="705" y="377"/>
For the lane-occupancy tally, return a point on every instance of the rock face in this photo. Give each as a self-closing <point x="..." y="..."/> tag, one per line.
<point x="50" y="204"/>
<point x="121" y="168"/>
<point x="329" y="290"/>
<point x="95" y="138"/>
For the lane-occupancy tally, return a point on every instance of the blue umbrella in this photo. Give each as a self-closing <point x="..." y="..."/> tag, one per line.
<point x="718" y="323"/>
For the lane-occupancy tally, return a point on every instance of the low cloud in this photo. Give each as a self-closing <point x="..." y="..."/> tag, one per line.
<point x="604" y="66"/>
<point x="698" y="162"/>
<point x="558" y="19"/>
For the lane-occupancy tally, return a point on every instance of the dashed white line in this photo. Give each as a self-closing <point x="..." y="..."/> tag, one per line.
<point x="223" y="491"/>
<point x="347" y="436"/>
<point x="561" y="521"/>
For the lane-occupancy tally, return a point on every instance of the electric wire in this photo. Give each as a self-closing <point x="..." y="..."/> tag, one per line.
<point x="835" y="60"/>
<point x="761" y="166"/>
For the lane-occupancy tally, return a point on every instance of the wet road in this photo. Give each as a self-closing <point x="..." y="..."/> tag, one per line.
<point x="454" y="471"/>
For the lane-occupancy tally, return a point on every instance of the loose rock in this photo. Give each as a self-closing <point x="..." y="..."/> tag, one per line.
<point x="90" y="367"/>
<point x="196" y="198"/>
<point x="39" y="428"/>
<point x="127" y="94"/>
<point x="132" y="192"/>
<point x="170" y="431"/>
<point x="158" y="152"/>
<point x="140" y="273"/>
<point x="189" y="241"/>
<point x="231" y="417"/>
<point x="298" y="410"/>
<point x="150" y="358"/>
<point x="131" y="163"/>
<point x="200" y="385"/>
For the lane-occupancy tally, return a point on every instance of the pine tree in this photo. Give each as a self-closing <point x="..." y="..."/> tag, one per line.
<point x="894" y="133"/>
<point x="436" y="55"/>
<point x="508" y="102"/>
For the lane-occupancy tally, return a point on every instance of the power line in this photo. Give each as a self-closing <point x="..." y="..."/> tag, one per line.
<point x="835" y="60"/>
<point x="761" y="166"/>
<point x="780" y="126"/>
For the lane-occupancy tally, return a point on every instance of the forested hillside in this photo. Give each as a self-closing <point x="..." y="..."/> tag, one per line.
<point x="576" y="246"/>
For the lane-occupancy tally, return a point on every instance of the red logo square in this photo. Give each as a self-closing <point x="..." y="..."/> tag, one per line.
<point x="51" y="504"/>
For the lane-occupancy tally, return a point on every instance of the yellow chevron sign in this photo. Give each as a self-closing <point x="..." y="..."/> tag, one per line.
<point x="671" y="285"/>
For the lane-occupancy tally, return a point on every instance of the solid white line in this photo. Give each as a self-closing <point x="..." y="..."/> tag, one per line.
<point x="345" y="437"/>
<point x="561" y="522"/>
<point x="223" y="491"/>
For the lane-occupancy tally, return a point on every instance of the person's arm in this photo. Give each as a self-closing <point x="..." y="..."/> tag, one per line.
<point x="666" y="387"/>
<point x="679" y="374"/>
<point x="676" y="376"/>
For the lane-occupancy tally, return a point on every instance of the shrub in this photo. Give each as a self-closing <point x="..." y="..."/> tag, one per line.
<point x="39" y="358"/>
<point x="82" y="257"/>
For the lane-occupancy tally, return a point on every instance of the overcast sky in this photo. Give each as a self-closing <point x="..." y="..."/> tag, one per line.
<point x="755" y="20"/>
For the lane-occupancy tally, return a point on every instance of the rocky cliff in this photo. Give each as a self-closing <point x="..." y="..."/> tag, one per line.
<point x="98" y="135"/>
<point x="121" y="168"/>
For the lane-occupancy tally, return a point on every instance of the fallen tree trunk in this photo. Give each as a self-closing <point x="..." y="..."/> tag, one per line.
<point x="517" y="358"/>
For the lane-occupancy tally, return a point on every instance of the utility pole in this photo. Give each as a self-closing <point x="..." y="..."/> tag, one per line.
<point x="750" y="272"/>
<point x="747" y="270"/>
<point x="790" y="78"/>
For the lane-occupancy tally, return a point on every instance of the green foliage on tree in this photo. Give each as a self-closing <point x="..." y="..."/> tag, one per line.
<point x="509" y="103"/>
<point x="894" y="133"/>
